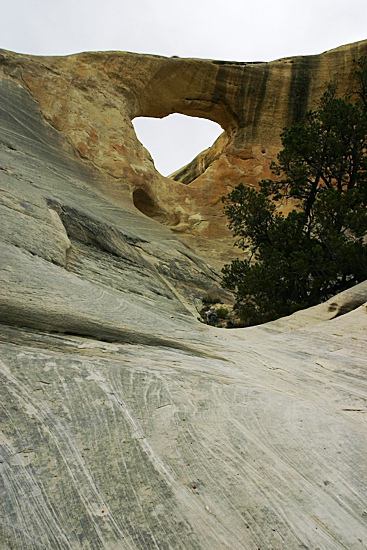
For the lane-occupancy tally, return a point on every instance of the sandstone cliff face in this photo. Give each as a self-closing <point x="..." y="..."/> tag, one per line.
<point x="125" y="422"/>
<point x="91" y="99"/>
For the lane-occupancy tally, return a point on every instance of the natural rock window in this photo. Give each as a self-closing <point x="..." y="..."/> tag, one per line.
<point x="176" y="139"/>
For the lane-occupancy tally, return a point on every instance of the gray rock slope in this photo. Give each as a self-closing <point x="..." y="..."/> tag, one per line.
<point x="126" y="423"/>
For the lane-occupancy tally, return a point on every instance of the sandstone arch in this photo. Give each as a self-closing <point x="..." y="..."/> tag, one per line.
<point x="251" y="101"/>
<point x="127" y="423"/>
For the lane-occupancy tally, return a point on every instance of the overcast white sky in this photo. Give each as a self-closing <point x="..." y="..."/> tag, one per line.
<point x="241" y="30"/>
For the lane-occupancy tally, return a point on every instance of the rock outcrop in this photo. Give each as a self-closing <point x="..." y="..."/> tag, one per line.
<point x="127" y="423"/>
<point x="91" y="99"/>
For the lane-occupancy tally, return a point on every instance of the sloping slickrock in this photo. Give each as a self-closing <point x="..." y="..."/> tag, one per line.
<point x="91" y="98"/>
<point x="125" y="422"/>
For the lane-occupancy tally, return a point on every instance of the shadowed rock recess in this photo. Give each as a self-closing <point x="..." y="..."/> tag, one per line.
<point x="125" y="422"/>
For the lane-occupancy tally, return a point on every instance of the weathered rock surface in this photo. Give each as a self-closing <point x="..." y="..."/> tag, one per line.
<point x="91" y="99"/>
<point x="125" y="422"/>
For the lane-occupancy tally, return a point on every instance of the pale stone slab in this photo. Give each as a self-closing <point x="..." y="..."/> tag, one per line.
<point x="128" y="424"/>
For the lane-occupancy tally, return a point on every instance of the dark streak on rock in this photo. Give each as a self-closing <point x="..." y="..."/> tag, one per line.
<point x="220" y="92"/>
<point x="257" y="90"/>
<point x="300" y="87"/>
<point x="348" y="306"/>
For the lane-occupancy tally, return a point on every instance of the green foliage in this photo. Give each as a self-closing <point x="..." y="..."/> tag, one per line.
<point x="320" y="248"/>
<point x="211" y="299"/>
<point x="222" y="312"/>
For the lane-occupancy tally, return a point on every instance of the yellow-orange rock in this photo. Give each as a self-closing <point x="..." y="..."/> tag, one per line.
<point x="91" y="98"/>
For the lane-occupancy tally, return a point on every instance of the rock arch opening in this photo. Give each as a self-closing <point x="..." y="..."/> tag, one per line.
<point x="175" y="140"/>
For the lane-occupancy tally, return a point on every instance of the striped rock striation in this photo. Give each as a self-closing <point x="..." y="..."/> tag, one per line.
<point x="91" y="98"/>
<point x="125" y="422"/>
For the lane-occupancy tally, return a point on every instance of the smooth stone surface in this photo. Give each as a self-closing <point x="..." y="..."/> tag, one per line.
<point x="128" y="424"/>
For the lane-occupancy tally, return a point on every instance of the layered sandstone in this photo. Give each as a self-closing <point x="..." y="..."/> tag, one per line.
<point x="125" y="422"/>
<point x="91" y="98"/>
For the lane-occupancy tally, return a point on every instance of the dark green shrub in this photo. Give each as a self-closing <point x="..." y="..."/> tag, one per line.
<point x="222" y="312"/>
